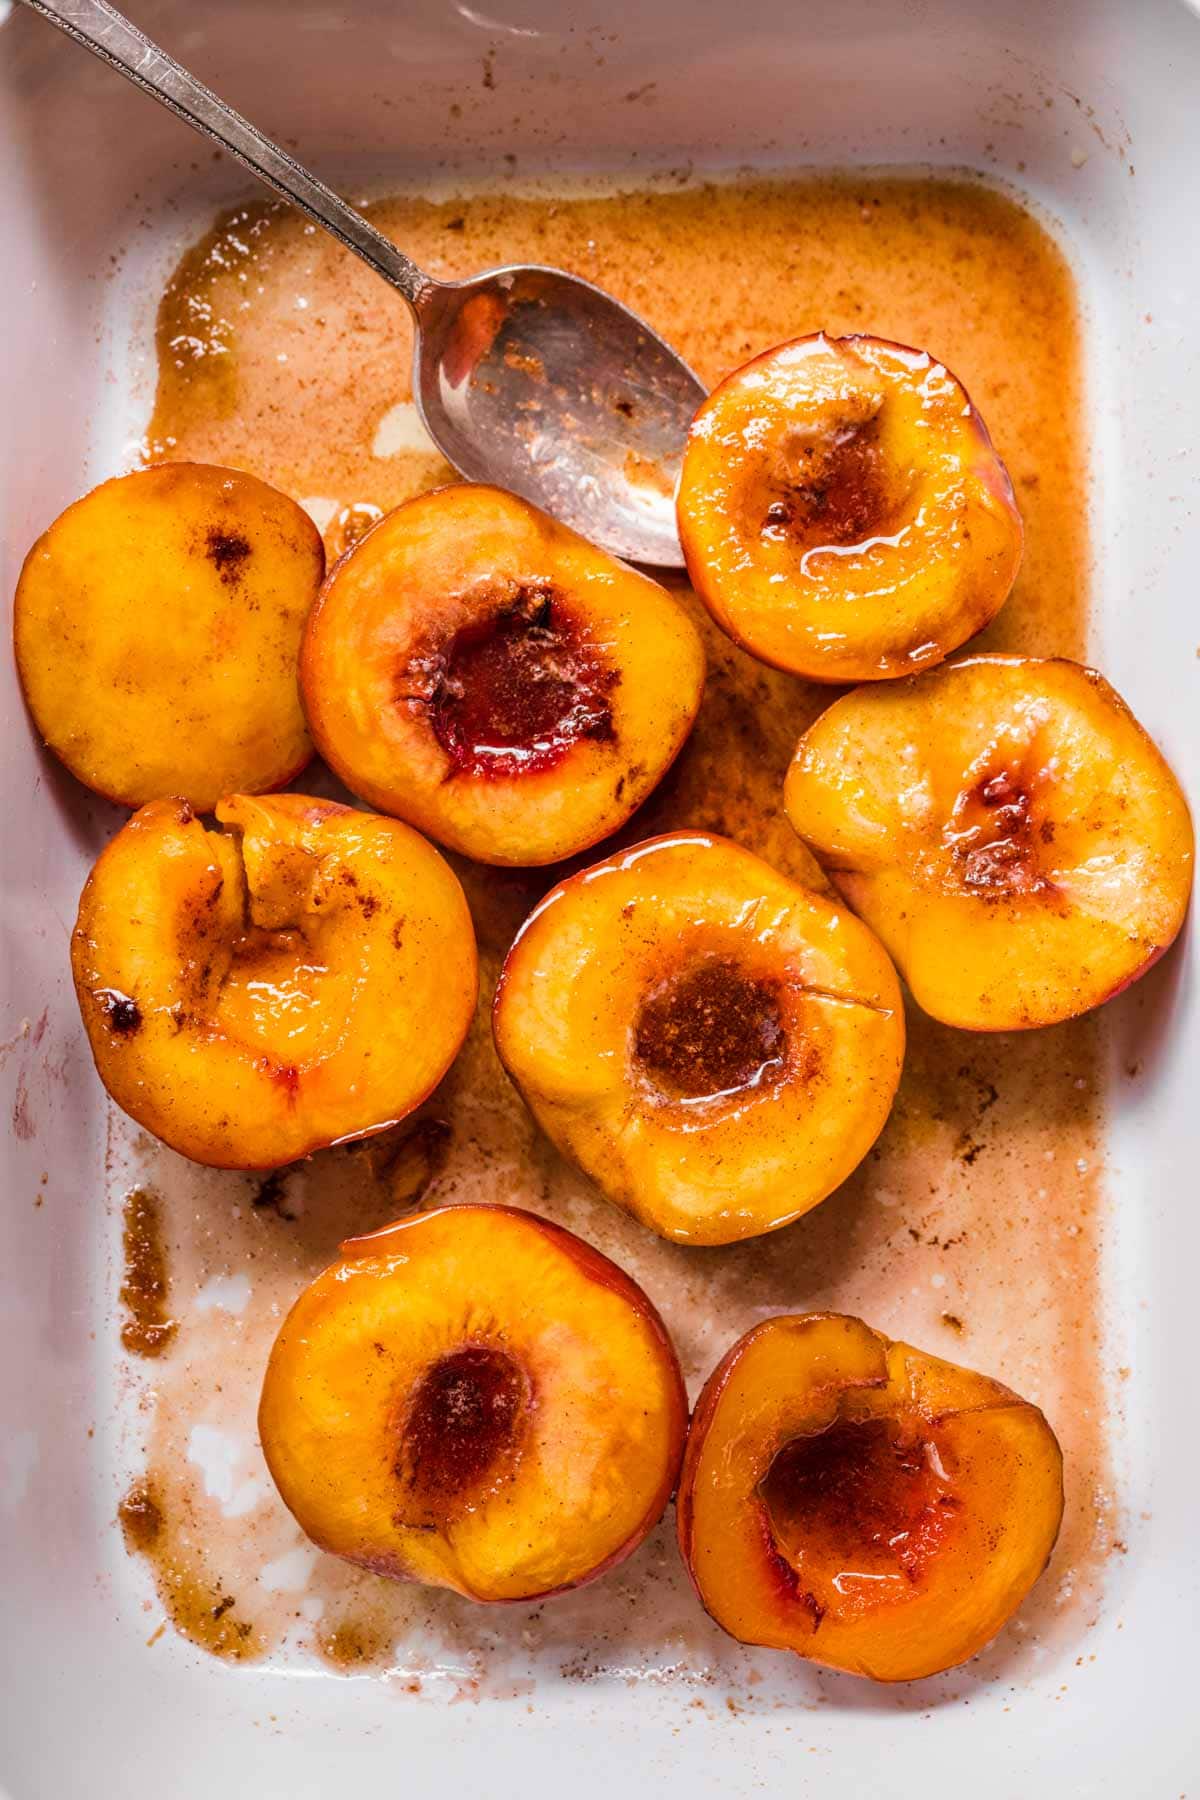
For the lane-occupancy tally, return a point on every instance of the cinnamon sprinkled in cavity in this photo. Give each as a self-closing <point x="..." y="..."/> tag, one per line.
<point x="833" y="489"/>
<point x="992" y="839"/>
<point x="458" y="1430"/>
<point x="710" y="1029"/>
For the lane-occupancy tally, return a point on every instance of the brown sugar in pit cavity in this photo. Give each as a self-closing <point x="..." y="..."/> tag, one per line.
<point x="711" y="1029"/>
<point x="992" y="839"/>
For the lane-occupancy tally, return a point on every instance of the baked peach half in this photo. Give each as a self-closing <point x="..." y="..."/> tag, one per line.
<point x="478" y="1400"/>
<point x="714" y="1045"/>
<point x="302" y="976"/>
<point x="481" y="671"/>
<point x="1008" y="829"/>
<point x="864" y="1504"/>
<point x="157" y="625"/>
<point x="842" y="511"/>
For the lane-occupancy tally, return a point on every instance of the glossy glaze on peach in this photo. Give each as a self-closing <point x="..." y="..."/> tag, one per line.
<point x="1009" y="830"/>
<point x="476" y="1399"/>
<point x="157" y="624"/>
<point x="843" y="513"/>
<point x="715" y="1046"/>
<point x="862" y="1503"/>
<point x="479" y="670"/>
<point x="302" y="976"/>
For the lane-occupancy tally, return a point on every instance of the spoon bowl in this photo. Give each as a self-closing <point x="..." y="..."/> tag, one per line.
<point x="541" y="383"/>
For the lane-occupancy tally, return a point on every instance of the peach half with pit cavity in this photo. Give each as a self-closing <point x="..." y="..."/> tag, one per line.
<point x="475" y="1399"/>
<point x="1007" y="828"/>
<point x="483" y="672"/>
<point x="714" y="1045"/>
<point x="842" y="510"/>
<point x="862" y="1503"/>
<point x="303" y="975"/>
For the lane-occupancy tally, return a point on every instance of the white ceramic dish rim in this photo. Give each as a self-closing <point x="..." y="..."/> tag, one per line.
<point x="84" y="1709"/>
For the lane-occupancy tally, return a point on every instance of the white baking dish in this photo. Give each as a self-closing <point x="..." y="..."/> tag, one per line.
<point x="1090" y="107"/>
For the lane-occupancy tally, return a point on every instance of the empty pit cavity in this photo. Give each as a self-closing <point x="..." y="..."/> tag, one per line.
<point x="460" y="1425"/>
<point x="858" y="1511"/>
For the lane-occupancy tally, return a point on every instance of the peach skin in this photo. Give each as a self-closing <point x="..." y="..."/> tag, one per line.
<point x="1008" y="829"/>
<point x="714" y="1045"/>
<point x="864" y="1504"/>
<point x="157" y="625"/>
<point x="475" y="1399"/>
<point x="305" y="975"/>
<point x="842" y="511"/>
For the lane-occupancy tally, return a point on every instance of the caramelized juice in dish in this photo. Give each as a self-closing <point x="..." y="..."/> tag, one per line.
<point x="973" y="1229"/>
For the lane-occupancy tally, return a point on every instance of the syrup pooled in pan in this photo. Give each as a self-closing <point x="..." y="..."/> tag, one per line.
<point x="974" y="1227"/>
<point x="147" y="1330"/>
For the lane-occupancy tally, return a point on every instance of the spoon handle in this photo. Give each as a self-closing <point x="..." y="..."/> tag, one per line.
<point x="109" y="35"/>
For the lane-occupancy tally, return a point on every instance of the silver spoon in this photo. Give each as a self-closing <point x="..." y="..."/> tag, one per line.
<point x="524" y="376"/>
